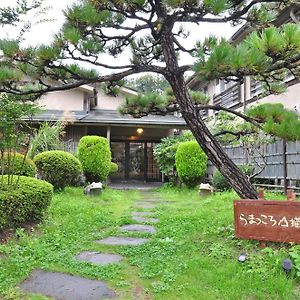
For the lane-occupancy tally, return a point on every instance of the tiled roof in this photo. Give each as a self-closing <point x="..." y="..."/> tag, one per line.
<point x="109" y="117"/>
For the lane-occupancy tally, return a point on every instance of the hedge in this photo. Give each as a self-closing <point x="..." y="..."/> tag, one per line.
<point x="95" y="156"/>
<point x="60" y="168"/>
<point x="27" y="201"/>
<point x="113" y="168"/>
<point x="191" y="163"/>
<point x="220" y="183"/>
<point x="20" y="167"/>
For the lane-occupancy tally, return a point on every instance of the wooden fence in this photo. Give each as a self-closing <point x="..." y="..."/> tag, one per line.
<point x="273" y="154"/>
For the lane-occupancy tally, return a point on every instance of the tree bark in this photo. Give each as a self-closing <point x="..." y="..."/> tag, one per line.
<point x="216" y="154"/>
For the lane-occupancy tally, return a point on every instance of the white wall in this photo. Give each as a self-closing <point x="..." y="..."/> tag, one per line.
<point x="290" y="99"/>
<point x="63" y="100"/>
<point x="109" y="102"/>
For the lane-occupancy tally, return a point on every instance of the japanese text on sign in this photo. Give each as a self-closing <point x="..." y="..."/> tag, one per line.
<point x="252" y="219"/>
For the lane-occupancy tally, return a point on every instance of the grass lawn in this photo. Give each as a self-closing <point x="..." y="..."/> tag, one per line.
<point x="193" y="255"/>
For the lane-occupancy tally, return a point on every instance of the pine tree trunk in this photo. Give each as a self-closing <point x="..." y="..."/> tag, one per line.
<point x="215" y="152"/>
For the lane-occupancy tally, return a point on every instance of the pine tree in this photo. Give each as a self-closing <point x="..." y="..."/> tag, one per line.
<point x="154" y="32"/>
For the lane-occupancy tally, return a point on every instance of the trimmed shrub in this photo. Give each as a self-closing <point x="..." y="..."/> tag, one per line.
<point x="95" y="156"/>
<point x="60" y="168"/>
<point x="220" y="183"/>
<point x="191" y="163"/>
<point x="113" y="168"/>
<point x="165" y="152"/>
<point x="27" y="201"/>
<point x="20" y="167"/>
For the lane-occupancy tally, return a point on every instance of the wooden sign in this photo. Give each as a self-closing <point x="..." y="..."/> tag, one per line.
<point x="277" y="221"/>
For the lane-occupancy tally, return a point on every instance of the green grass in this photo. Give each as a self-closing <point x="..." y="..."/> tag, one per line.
<point x="192" y="256"/>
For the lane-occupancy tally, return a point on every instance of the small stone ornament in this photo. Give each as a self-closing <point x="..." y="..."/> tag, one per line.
<point x="287" y="265"/>
<point x="242" y="258"/>
<point x="205" y="189"/>
<point x="94" y="189"/>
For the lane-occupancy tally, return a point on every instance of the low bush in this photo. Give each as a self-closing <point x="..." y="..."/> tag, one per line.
<point x="165" y="152"/>
<point x="191" y="163"/>
<point x="15" y="164"/>
<point x="95" y="156"/>
<point x="220" y="183"/>
<point x="26" y="201"/>
<point x="60" y="168"/>
<point x="113" y="168"/>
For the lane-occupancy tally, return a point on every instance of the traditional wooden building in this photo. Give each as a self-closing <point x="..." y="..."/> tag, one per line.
<point x="92" y="112"/>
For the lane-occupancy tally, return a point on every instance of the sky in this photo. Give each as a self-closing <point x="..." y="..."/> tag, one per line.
<point x="42" y="32"/>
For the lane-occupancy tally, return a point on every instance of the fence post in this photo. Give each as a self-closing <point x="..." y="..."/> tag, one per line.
<point x="284" y="160"/>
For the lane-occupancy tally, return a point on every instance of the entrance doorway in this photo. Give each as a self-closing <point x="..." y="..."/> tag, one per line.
<point x="135" y="161"/>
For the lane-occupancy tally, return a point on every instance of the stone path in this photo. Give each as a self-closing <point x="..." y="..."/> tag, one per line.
<point x="145" y="220"/>
<point x="99" y="258"/>
<point x="122" y="241"/>
<point x="142" y="213"/>
<point x="64" y="286"/>
<point x="138" y="228"/>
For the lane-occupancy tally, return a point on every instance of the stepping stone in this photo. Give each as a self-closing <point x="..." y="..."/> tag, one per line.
<point x="99" y="258"/>
<point x="64" y="286"/>
<point x="150" y="220"/>
<point x="142" y="213"/>
<point x="145" y="205"/>
<point x="138" y="228"/>
<point x="123" y="241"/>
<point x="150" y="201"/>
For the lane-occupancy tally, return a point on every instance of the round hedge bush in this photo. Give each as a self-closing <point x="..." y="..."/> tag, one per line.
<point x="191" y="163"/>
<point x="113" y="168"/>
<point x="95" y="156"/>
<point x="60" y="168"/>
<point x="220" y="183"/>
<point x="25" y="201"/>
<point x="20" y="167"/>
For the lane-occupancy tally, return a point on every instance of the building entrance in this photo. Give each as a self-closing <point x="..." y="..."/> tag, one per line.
<point x="135" y="161"/>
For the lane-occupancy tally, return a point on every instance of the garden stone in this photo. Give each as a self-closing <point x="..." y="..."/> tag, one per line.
<point x="123" y="241"/>
<point x="94" y="189"/>
<point x="142" y="213"/>
<point x="145" y="205"/>
<point x="205" y="189"/>
<point x="99" y="258"/>
<point x="150" y="220"/>
<point x="138" y="228"/>
<point x="65" y="287"/>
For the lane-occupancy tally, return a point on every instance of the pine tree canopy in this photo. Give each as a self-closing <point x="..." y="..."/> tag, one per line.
<point x="277" y="120"/>
<point x="94" y="28"/>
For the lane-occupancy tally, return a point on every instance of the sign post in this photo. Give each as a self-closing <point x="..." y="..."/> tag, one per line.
<point x="264" y="220"/>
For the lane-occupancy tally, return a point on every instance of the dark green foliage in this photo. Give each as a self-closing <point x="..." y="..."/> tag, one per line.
<point x="191" y="163"/>
<point x="60" y="168"/>
<point x="277" y="120"/>
<point x="220" y="183"/>
<point x="148" y="84"/>
<point x="47" y="138"/>
<point x="144" y="104"/>
<point x="164" y="154"/>
<point x="95" y="156"/>
<point x="113" y="168"/>
<point x="25" y="203"/>
<point x="14" y="134"/>
<point x="254" y="56"/>
<point x="17" y="164"/>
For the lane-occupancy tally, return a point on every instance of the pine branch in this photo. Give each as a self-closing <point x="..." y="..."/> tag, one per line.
<point x="251" y="120"/>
